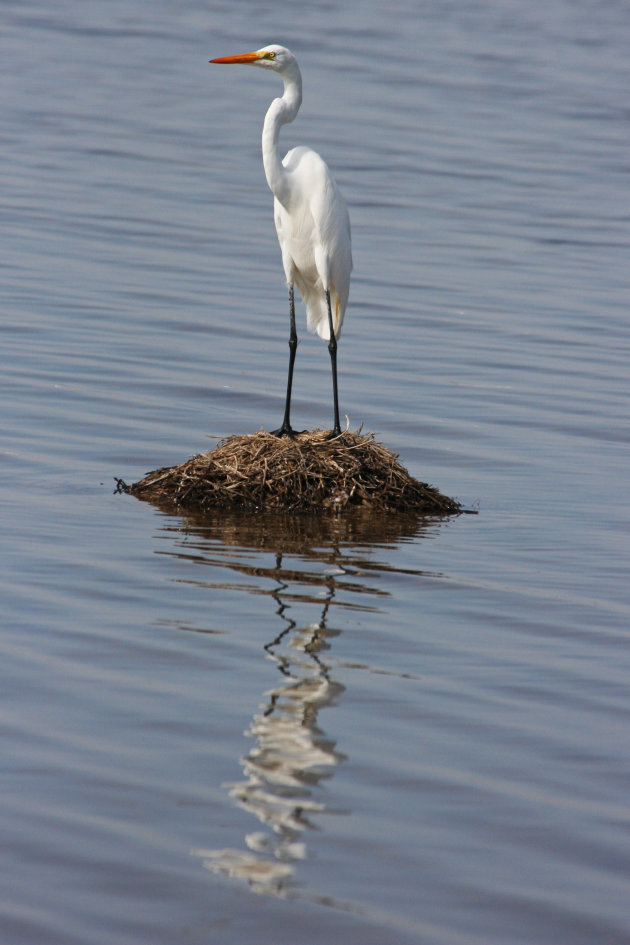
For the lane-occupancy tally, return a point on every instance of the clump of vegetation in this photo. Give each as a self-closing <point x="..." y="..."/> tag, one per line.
<point x="307" y="473"/>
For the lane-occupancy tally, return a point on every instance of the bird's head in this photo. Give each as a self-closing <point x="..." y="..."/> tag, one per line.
<point x="278" y="58"/>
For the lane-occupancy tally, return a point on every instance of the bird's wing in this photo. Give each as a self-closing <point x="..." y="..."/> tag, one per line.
<point x="314" y="234"/>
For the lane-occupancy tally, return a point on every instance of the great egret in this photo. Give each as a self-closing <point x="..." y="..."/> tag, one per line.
<point x="311" y="221"/>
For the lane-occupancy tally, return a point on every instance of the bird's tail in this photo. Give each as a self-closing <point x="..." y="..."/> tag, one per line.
<point x="317" y="313"/>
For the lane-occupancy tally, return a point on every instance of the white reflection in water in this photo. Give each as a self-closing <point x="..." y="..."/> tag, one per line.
<point x="289" y="759"/>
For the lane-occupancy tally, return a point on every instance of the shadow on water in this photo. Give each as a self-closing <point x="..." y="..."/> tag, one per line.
<point x="327" y="562"/>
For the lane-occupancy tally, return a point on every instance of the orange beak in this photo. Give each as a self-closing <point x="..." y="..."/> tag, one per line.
<point x="243" y="58"/>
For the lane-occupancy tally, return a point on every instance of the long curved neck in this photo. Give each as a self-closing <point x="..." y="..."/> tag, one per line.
<point x="280" y="112"/>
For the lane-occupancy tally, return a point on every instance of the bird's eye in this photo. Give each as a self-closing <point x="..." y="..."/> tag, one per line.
<point x="269" y="55"/>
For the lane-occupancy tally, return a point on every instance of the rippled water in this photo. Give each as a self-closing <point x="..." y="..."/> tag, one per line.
<point x="267" y="729"/>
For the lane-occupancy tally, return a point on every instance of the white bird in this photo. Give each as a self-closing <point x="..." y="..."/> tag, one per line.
<point x="311" y="220"/>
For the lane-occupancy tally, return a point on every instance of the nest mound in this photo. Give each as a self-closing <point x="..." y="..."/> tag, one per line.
<point x="306" y="474"/>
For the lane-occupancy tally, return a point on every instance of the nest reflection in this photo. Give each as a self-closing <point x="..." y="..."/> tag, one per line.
<point x="306" y="535"/>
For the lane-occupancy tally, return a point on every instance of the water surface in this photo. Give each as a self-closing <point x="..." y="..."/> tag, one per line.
<point x="259" y="729"/>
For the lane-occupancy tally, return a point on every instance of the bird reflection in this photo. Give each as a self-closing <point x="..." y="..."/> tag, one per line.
<point x="290" y="757"/>
<point x="315" y="561"/>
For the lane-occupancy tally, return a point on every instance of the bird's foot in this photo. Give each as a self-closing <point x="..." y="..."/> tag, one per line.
<point x="287" y="430"/>
<point x="334" y="433"/>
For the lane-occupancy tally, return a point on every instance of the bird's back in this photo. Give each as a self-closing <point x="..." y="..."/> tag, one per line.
<point x="314" y="233"/>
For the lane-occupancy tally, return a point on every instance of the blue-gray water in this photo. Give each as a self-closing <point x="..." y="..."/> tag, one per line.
<point x="257" y="731"/>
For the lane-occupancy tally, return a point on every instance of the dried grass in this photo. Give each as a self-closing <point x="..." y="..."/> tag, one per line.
<point x="307" y="474"/>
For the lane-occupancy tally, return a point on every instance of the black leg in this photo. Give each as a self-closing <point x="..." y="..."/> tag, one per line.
<point x="286" y="428"/>
<point x="332" y="348"/>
